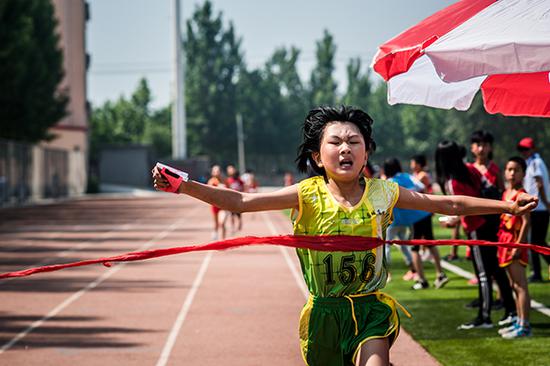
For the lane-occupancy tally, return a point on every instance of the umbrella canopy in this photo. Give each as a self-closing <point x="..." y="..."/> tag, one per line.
<point x="501" y="47"/>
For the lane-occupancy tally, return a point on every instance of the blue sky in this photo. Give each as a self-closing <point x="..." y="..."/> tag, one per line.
<point x="130" y="39"/>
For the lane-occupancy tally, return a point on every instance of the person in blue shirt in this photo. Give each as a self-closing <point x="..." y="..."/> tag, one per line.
<point x="403" y="220"/>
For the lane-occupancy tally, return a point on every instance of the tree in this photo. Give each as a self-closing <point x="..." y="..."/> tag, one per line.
<point x="32" y="69"/>
<point x="213" y="63"/>
<point x="131" y="121"/>
<point x="359" y="85"/>
<point x="322" y="84"/>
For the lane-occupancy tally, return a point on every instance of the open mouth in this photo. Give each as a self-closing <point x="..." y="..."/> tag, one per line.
<point x="346" y="163"/>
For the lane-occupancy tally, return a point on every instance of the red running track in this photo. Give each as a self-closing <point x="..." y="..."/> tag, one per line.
<point x="239" y="307"/>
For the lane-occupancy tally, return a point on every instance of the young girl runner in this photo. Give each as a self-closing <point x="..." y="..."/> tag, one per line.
<point x="513" y="229"/>
<point x="346" y="311"/>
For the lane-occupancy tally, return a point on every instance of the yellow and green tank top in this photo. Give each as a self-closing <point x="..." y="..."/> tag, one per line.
<point x="331" y="274"/>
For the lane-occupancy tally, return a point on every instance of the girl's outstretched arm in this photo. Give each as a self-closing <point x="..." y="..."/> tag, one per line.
<point x="234" y="201"/>
<point x="464" y="205"/>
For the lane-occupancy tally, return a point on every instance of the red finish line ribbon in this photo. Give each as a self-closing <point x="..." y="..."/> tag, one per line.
<point x="327" y="243"/>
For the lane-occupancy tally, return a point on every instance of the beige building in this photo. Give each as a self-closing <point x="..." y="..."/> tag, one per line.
<point x="72" y="132"/>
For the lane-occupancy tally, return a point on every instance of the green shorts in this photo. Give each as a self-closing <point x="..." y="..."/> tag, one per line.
<point x="332" y="329"/>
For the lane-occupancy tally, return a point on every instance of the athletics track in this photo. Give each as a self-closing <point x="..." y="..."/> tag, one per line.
<point x="238" y="307"/>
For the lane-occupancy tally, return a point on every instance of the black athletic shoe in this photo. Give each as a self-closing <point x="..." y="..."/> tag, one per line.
<point x="533" y="279"/>
<point x="420" y="285"/>
<point x="476" y="324"/>
<point x="441" y="281"/>
<point x="474" y="304"/>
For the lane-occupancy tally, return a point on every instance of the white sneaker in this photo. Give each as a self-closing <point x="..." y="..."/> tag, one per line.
<point x="441" y="281"/>
<point x="510" y="319"/>
<point x="509" y="329"/>
<point x="520" y="332"/>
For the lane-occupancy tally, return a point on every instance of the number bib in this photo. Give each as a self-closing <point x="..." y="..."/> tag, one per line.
<point x="344" y="273"/>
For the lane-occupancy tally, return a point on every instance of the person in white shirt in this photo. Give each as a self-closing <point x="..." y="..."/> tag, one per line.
<point x="537" y="183"/>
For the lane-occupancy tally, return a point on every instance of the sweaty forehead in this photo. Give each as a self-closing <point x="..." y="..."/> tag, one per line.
<point x="341" y="129"/>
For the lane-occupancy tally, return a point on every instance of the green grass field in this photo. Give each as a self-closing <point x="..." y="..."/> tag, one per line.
<point x="437" y="313"/>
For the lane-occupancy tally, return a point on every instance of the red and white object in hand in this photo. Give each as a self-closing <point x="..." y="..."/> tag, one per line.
<point x="174" y="176"/>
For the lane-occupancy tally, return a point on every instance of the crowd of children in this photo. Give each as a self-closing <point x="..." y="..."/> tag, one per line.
<point x="480" y="178"/>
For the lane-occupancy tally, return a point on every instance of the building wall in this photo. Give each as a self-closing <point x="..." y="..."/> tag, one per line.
<point x="71" y="133"/>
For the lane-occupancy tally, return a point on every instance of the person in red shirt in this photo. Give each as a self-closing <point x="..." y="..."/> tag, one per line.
<point x="457" y="178"/>
<point x="219" y="219"/>
<point x="482" y="149"/>
<point x="513" y="229"/>
<point x="235" y="183"/>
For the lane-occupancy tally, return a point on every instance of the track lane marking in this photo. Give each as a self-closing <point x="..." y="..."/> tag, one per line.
<point x="90" y="286"/>
<point x="182" y="315"/>
<point x="297" y="275"/>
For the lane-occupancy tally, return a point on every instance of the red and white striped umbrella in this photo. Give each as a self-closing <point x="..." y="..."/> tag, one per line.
<point x="501" y="47"/>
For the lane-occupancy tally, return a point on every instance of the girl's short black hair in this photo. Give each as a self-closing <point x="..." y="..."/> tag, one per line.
<point x="314" y="126"/>
<point x="392" y="166"/>
<point x="419" y="159"/>
<point x="481" y="136"/>
<point x="520" y="161"/>
<point x="449" y="164"/>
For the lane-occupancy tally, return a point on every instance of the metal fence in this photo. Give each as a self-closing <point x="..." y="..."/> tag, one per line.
<point x="31" y="172"/>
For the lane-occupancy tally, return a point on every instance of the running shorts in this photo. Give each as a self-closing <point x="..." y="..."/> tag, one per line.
<point x="505" y="256"/>
<point x="332" y="329"/>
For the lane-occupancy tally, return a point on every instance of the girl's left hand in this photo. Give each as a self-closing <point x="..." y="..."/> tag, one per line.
<point x="523" y="204"/>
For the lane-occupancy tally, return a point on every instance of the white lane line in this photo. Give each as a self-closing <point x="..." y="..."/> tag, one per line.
<point x="541" y="308"/>
<point x="457" y="270"/>
<point x="167" y="349"/>
<point x="83" y="244"/>
<point x="88" y="287"/>
<point x="297" y="275"/>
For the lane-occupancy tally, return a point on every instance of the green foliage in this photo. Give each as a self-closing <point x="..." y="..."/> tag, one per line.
<point x="322" y="84"/>
<point x="31" y="72"/>
<point x="131" y="121"/>
<point x="213" y="64"/>
<point x="359" y="88"/>
<point x="272" y="102"/>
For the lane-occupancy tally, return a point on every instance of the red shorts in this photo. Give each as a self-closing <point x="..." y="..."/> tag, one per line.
<point x="505" y="256"/>
<point x="215" y="209"/>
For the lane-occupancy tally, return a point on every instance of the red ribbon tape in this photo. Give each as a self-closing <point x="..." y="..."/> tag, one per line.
<point x="328" y="243"/>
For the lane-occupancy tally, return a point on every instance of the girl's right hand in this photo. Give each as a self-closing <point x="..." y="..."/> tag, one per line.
<point x="523" y="204"/>
<point x="159" y="182"/>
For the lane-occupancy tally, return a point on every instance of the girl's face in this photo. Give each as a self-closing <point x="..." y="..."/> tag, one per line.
<point x="216" y="171"/>
<point x="513" y="173"/>
<point x="342" y="152"/>
<point x="414" y="166"/>
<point x="481" y="149"/>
